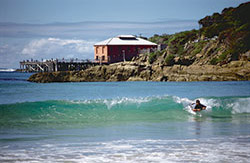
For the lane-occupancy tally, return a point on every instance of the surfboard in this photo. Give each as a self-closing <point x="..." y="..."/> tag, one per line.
<point x="190" y="110"/>
<point x="193" y="112"/>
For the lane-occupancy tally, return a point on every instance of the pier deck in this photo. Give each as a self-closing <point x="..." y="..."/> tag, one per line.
<point x="55" y="65"/>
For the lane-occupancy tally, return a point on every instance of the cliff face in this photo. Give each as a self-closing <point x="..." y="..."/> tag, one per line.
<point x="219" y="51"/>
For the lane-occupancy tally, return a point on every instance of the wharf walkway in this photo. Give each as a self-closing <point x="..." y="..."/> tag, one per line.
<point x="55" y="65"/>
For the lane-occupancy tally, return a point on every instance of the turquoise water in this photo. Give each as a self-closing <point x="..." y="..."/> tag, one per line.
<point x="123" y="121"/>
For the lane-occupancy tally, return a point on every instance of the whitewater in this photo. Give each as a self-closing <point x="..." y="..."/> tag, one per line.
<point x="123" y="121"/>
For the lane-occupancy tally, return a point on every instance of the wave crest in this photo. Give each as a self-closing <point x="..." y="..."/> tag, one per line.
<point x="117" y="110"/>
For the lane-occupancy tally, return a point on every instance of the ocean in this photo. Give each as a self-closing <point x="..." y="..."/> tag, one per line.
<point x="142" y="122"/>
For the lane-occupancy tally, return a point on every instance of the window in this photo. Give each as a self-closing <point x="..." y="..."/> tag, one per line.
<point x="103" y="58"/>
<point x="96" y="58"/>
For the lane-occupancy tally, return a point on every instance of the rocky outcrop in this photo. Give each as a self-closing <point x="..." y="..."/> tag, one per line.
<point x="134" y="71"/>
<point x="219" y="51"/>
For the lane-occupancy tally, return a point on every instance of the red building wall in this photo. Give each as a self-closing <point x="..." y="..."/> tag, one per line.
<point x="116" y="53"/>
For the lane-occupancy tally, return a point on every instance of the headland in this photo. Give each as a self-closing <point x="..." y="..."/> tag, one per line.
<point x="218" y="51"/>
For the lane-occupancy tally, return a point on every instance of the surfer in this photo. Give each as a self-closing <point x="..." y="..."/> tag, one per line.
<point x="199" y="106"/>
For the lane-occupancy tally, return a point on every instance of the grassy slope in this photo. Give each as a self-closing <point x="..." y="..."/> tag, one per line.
<point x="222" y="38"/>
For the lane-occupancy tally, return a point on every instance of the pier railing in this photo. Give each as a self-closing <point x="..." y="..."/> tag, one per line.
<point x="55" y="65"/>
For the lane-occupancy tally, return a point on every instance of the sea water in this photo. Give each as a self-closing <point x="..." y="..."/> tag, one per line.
<point x="123" y="121"/>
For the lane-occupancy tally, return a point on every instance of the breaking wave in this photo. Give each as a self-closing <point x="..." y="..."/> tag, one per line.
<point x="120" y="110"/>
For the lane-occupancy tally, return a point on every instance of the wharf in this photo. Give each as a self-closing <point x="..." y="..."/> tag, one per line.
<point x="55" y="65"/>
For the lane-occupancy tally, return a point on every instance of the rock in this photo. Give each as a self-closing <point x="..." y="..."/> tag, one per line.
<point x="142" y="71"/>
<point x="176" y="68"/>
<point x="236" y="63"/>
<point x="186" y="60"/>
<point x="245" y="56"/>
<point x="205" y="78"/>
<point x="176" y="59"/>
<point x="146" y="74"/>
<point x="136" y="78"/>
<point x="198" y="55"/>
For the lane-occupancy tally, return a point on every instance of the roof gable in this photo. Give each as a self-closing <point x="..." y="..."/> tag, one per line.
<point x="125" y="40"/>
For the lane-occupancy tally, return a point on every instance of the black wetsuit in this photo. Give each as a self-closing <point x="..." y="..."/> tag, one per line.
<point x="199" y="106"/>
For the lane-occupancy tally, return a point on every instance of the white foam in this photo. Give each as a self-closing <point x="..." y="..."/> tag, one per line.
<point x="125" y="100"/>
<point x="237" y="105"/>
<point x="187" y="103"/>
<point x="241" y="105"/>
<point x="117" y="101"/>
<point x="184" y="101"/>
<point x="149" y="150"/>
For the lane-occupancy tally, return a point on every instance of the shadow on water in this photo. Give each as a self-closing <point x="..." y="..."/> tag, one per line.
<point x="12" y="79"/>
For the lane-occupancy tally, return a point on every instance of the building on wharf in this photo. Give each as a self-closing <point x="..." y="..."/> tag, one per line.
<point x="122" y="48"/>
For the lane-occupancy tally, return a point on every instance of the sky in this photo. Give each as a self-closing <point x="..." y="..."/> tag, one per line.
<point x="45" y="29"/>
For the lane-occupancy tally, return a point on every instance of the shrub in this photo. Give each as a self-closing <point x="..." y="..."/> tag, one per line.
<point x="214" y="61"/>
<point x="153" y="56"/>
<point x="159" y="39"/>
<point x="244" y="27"/>
<point x="169" y="60"/>
<point x="219" y="59"/>
<point x="222" y="57"/>
<point x="179" y="39"/>
<point x="198" y="47"/>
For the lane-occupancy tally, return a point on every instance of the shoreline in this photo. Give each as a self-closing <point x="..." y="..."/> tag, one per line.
<point x="134" y="71"/>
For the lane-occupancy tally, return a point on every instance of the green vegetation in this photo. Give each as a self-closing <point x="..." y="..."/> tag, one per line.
<point x="198" y="47"/>
<point x="160" y="39"/>
<point x="214" y="61"/>
<point x="219" y="59"/>
<point x="169" y="60"/>
<point x="153" y="56"/>
<point x="222" y="57"/>
<point x="177" y="41"/>
<point x="232" y="28"/>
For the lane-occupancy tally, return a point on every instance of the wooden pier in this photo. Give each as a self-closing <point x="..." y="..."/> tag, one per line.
<point x="55" y="65"/>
